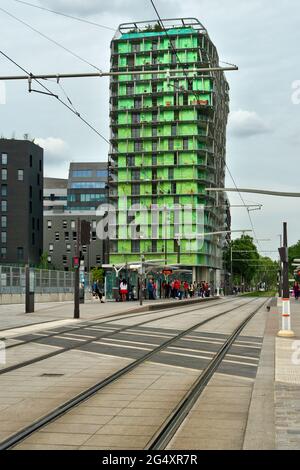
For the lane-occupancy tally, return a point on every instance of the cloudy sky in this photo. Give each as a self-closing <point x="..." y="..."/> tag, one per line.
<point x="261" y="36"/>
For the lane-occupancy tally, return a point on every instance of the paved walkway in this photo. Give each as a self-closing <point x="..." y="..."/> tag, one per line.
<point x="274" y="413"/>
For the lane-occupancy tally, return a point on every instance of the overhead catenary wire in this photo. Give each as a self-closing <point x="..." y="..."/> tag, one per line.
<point x="53" y="41"/>
<point x="55" y="96"/>
<point x="65" y="15"/>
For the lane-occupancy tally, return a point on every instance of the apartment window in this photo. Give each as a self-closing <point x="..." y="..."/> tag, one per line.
<point x="154" y="131"/>
<point x="136" y="47"/>
<point x="50" y="247"/>
<point x="155" y="116"/>
<point x="64" y="258"/>
<point x="74" y="236"/>
<point x="20" y="253"/>
<point x="66" y="236"/>
<point x="185" y="100"/>
<point x="94" y="236"/>
<point x="57" y="236"/>
<point x="4" y="158"/>
<point x="135" y="132"/>
<point x="174" y="130"/>
<point x="20" y="175"/>
<point x="135" y="246"/>
<point x="81" y="174"/>
<point x="171" y="144"/>
<point x="154" y="159"/>
<point x="135" y="118"/>
<point x="185" y="143"/>
<point x="3" y="252"/>
<point x="30" y="160"/>
<point x="173" y="188"/>
<point x="4" y="206"/>
<point x="138" y="146"/>
<point x="137" y="103"/>
<point x="3" y="190"/>
<point x="171" y="173"/>
<point x="68" y="248"/>
<point x="135" y="175"/>
<point x="65" y="224"/>
<point x="89" y="185"/>
<point x="129" y="89"/>
<point x="130" y="160"/>
<point x="94" y="224"/>
<point x="135" y="189"/>
<point x="98" y="259"/>
<point x="4" y="174"/>
<point x="154" y="145"/>
<point x="4" y="221"/>
<point x="3" y="237"/>
<point x="30" y="207"/>
<point x="102" y="173"/>
<point x="73" y="224"/>
<point x="154" y="246"/>
<point x="84" y="249"/>
<point x="49" y="224"/>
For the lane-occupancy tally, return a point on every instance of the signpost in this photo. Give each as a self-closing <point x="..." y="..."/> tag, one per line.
<point x="286" y="330"/>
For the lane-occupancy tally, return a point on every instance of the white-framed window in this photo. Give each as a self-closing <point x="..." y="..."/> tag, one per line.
<point x="50" y="247"/>
<point x="20" y="175"/>
<point x="4" y="174"/>
<point x="4" y="158"/>
<point x="49" y="223"/>
<point x="68" y="248"/>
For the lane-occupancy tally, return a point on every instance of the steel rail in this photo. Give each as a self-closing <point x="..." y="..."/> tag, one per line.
<point x="108" y="319"/>
<point x="83" y="396"/>
<point x="167" y="432"/>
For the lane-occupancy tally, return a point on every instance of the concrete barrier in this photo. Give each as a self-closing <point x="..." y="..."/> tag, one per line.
<point x="8" y="299"/>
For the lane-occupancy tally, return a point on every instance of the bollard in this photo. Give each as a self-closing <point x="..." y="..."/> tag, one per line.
<point x="286" y="331"/>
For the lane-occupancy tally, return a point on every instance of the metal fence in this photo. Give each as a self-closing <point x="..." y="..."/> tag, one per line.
<point x="12" y="281"/>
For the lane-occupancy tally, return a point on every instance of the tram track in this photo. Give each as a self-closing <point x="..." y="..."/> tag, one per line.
<point x="16" y="438"/>
<point x="169" y="429"/>
<point x="96" y="338"/>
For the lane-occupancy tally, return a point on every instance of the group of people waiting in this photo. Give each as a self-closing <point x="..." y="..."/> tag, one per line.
<point x="177" y="289"/>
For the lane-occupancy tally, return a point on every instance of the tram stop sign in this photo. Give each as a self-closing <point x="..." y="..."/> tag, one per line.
<point x="167" y="272"/>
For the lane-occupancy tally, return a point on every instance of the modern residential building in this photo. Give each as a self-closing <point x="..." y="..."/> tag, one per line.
<point x="67" y="203"/>
<point x="55" y="194"/>
<point x="21" y="210"/>
<point x="168" y="143"/>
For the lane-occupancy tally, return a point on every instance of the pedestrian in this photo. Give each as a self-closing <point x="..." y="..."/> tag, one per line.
<point x="186" y="289"/>
<point x="150" y="289"/>
<point x="296" y="290"/>
<point x="98" y="290"/>
<point x="123" y="290"/>
<point x="154" y="288"/>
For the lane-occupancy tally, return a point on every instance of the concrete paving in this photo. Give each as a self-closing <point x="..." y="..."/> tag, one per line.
<point x="252" y="402"/>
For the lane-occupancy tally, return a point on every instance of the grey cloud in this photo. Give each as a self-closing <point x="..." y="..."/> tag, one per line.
<point x="91" y="7"/>
<point x="244" y="123"/>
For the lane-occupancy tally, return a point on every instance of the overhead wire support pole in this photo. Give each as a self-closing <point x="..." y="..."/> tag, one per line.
<point x="112" y="74"/>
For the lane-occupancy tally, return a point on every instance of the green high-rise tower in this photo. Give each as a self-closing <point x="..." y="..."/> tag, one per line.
<point x="168" y="139"/>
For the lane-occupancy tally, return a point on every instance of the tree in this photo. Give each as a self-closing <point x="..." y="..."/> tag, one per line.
<point x="266" y="273"/>
<point x="244" y="259"/>
<point x="97" y="274"/>
<point x="44" y="263"/>
<point x="294" y="253"/>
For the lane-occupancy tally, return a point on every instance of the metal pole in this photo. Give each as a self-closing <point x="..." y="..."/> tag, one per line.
<point x="286" y="330"/>
<point x="142" y="280"/>
<point x="76" y="276"/>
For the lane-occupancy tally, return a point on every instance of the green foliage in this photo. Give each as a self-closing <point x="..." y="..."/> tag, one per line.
<point x="248" y="266"/>
<point x="44" y="263"/>
<point x="98" y="274"/>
